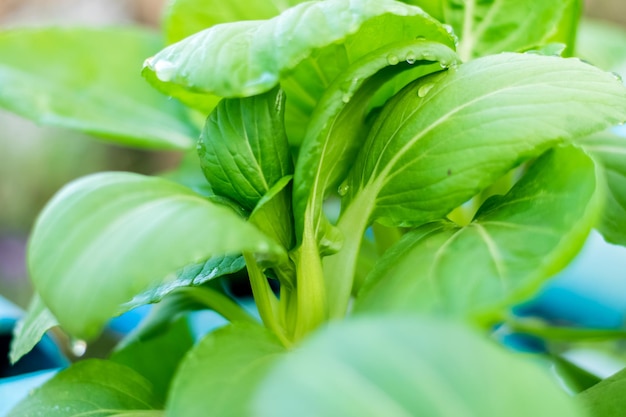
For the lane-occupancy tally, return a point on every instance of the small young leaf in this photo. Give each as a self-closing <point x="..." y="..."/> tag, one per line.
<point x="243" y="148"/>
<point x="469" y="126"/>
<point x="92" y="387"/>
<point x="106" y="238"/>
<point x="186" y="17"/>
<point x="221" y="374"/>
<point x="493" y="26"/>
<point x="81" y="79"/>
<point x="406" y="366"/>
<point x="31" y="328"/>
<point x="606" y="399"/>
<point x="515" y="242"/>
<point x="609" y="150"/>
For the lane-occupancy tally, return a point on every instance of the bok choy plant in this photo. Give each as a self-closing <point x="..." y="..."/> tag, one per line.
<point x="391" y="178"/>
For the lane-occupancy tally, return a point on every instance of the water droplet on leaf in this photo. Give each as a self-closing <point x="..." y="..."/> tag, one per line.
<point x="343" y="189"/>
<point x="425" y="89"/>
<point x="392" y="59"/>
<point x="618" y="77"/>
<point x="410" y="58"/>
<point x="78" y="347"/>
<point x="346" y="97"/>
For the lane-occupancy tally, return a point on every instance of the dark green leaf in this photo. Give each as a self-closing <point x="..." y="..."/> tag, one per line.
<point x="468" y="127"/>
<point x="157" y="358"/>
<point x="514" y="244"/>
<point x="108" y="237"/>
<point x="89" y="80"/>
<point x="606" y="399"/>
<point x="610" y="152"/>
<point x="93" y="387"/>
<point x="405" y="367"/>
<point x="220" y="376"/>
<point x="243" y="148"/>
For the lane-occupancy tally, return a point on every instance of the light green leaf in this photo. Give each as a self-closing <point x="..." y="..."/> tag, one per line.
<point x="338" y="126"/>
<point x="609" y="150"/>
<point x="31" y="328"/>
<point x="606" y="399"/>
<point x="513" y="245"/>
<point x="108" y="237"/>
<point x="89" y="80"/>
<point x="469" y="126"/>
<point x="157" y="358"/>
<point x="243" y="148"/>
<point x="493" y="26"/>
<point x="246" y="58"/>
<point x="186" y="17"/>
<point x="221" y="374"/>
<point x="93" y="387"/>
<point x="405" y="367"/>
<point x="603" y="44"/>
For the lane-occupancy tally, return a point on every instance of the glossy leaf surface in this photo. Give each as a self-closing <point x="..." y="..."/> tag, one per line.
<point x="82" y="79"/>
<point x="221" y="374"/>
<point x="515" y="242"/>
<point x="403" y="367"/>
<point x="466" y="128"/>
<point x="108" y="237"/>
<point x="606" y="399"/>
<point x="92" y="387"/>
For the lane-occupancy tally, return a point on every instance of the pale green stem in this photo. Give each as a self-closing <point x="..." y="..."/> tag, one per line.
<point x="219" y="303"/>
<point x="266" y="301"/>
<point x="466" y="45"/>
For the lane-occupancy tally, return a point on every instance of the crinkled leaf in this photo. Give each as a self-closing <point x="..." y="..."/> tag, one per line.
<point x="243" y="148"/>
<point x="157" y="358"/>
<point x="186" y="17"/>
<point x="248" y="57"/>
<point x="493" y="26"/>
<point x="89" y="80"/>
<point x="515" y="242"/>
<point x="467" y="127"/>
<point x="108" y="237"/>
<point x="92" y="387"/>
<point x="403" y="367"/>
<point x="609" y="150"/>
<point x="221" y="374"/>
<point x="606" y="399"/>
<point x="31" y="328"/>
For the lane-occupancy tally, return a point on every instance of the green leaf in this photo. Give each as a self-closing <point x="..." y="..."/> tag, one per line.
<point x="246" y="58"/>
<point x="31" y="328"/>
<point x="89" y="80"/>
<point x="91" y="387"/>
<point x="221" y="374"/>
<point x="108" y="237"/>
<point x="407" y="366"/>
<point x="514" y="244"/>
<point x="186" y="17"/>
<point x="469" y="126"/>
<point x="147" y="357"/>
<point x="603" y="44"/>
<point x="493" y="26"/>
<point x="607" y="398"/>
<point x="609" y="150"/>
<point x="243" y="148"/>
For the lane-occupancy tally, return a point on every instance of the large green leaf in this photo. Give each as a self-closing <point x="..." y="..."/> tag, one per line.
<point x="243" y="148"/>
<point x="607" y="398"/>
<point x="515" y="242"/>
<point x="89" y="79"/>
<point x="186" y="17"/>
<point x="493" y="26"/>
<point x="248" y="57"/>
<point x="407" y="366"/>
<point x="94" y="388"/>
<point x="220" y="376"/>
<point x="610" y="152"/>
<point x="31" y="328"/>
<point x="467" y="127"/>
<point x="108" y="237"/>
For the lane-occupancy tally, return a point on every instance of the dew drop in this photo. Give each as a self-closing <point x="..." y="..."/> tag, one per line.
<point x="392" y="59"/>
<point x="78" y="347"/>
<point x="410" y="58"/>
<point x="346" y="97"/>
<point x="165" y="70"/>
<point x="618" y="77"/>
<point x="343" y="189"/>
<point x="429" y="56"/>
<point x="425" y="89"/>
